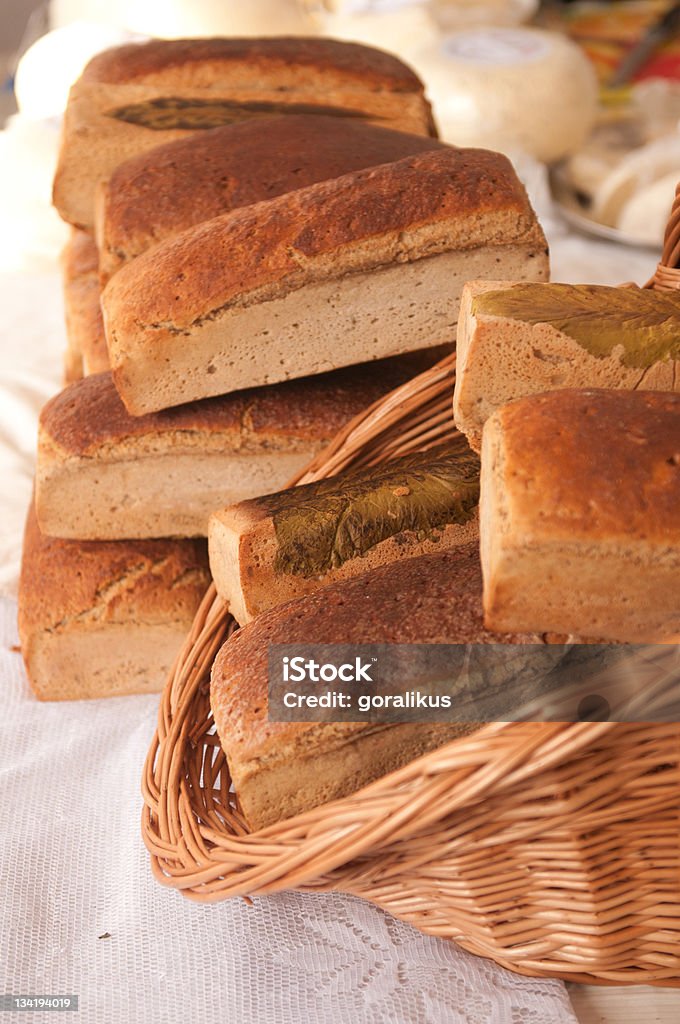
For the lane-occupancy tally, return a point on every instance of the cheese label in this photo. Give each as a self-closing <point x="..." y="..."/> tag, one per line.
<point x="496" y="46"/>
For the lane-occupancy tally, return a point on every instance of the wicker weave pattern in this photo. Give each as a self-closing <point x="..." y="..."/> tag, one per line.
<point x="667" y="274"/>
<point x="552" y="848"/>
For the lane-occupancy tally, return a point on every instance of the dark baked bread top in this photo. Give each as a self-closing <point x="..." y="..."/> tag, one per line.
<point x="430" y="599"/>
<point x="66" y="582"/>
<point x="598" y="464"/>
<point x="182" y="183"/>
<point x="453" y="198"/>
<point x="79" y="257"/>
<point x="161" y="62"/>
<point x="89" y="415"/>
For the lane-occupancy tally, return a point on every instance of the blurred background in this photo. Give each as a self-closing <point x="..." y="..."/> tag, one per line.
<point x="584" y="96"/>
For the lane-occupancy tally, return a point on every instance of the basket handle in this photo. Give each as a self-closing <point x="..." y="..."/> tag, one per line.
<point x="666" y="277"/>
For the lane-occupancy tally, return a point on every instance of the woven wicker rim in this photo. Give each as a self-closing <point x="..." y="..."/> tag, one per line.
<point x="192" y="825"/>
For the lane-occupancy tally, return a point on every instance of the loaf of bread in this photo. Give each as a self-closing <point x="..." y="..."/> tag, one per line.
<point x="273" y="549"/>
<point x="580" y="515"/>
<point x="86" y="345"/>
<point x="105" y="475"/>
<point x="73" y="357"/>
<point x="365" y="266"/>
<point x="282" y="768"/>
<point x="132" y="98"/>
<point x="105" y="619"/>
<point x="170" y="188"/>
<point x="517" y="339"/>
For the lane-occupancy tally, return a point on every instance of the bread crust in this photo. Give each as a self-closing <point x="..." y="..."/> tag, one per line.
<point x="538" y="357"/>
<point x="418" y="206"/>
<point x="200" y="62"/>
<point x="133" y="98"/>
<point x="279" y="547"/>
<point x="431" y="599"/>
<point x="173" y="187"/>
<point x="240" y="299"/>
<point x="88" y="419"/>
<point x="87" y="352"/>
<point x="80" y="256"/>
<point x="105" y="475"/>
<point x="580" y="514"/>
<point x="71" y="584"/>
<point x="571" y="447"/>
<point x="104" y="618"/>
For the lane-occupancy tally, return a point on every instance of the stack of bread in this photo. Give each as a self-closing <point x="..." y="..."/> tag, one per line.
<point x="267" y="237"/>
<point x="570" y="393"/>
<point x="579" y="532"/>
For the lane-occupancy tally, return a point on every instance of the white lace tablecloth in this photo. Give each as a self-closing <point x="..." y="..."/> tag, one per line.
<point x="73" y="869"/>
<point x="79" y="910"/>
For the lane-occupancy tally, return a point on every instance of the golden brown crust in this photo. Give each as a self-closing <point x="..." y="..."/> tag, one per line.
<point x="175" y="186"/>
<point x="134" y="98"/>
<point x="82" y="308"/>
<point x="73" y="366"/>
<point x="447" y="199"/>
<point x="162" y="61"/>
<point x="74" y="584"/>
<point x="85" y="324"/>
<point x="95" y="351"/>
<point x="431" y="599"/>
<point x="604" y="464"/>
<point x="89" y="415"/>
<point x="517" y="339"/>
<point x="80" y="256"/>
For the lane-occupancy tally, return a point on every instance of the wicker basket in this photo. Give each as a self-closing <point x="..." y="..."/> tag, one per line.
<point x="551" y="848"/>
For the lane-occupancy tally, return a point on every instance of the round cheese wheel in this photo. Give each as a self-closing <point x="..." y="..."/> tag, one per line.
<point x="400" y="28"/>
<point x="512" y="88"/>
